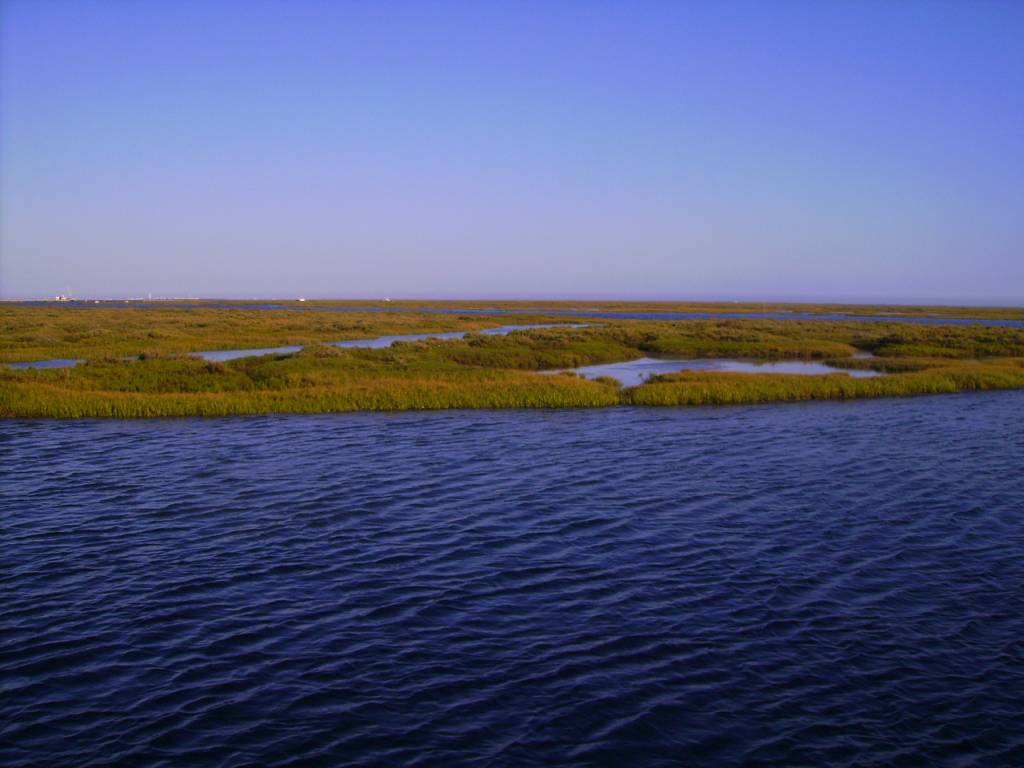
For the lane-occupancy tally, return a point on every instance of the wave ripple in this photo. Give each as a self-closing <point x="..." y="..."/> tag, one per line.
<point x="833" y="583"/>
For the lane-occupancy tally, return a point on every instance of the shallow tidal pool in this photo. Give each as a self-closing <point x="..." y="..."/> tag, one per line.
<point x="633" y="373"/>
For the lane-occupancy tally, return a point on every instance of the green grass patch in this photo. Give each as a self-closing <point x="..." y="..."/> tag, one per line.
<point x="480" y="371"/>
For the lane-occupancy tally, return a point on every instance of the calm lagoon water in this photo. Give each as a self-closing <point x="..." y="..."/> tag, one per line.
<point x="56" y="362"/>
<point x="380" y="342"/>
<point x="808" y="584"/>
<point x="633" y="373"/>
<point x="223" y="355"/>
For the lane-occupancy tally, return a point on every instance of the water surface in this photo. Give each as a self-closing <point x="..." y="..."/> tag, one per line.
<point x="380" y="342"/>
<point x="809" y="584"/>
<point x="54" y="363"/>
<point x="223" y="355"/>
<point x="502" y="330"/>
<point x="633" y="373"/>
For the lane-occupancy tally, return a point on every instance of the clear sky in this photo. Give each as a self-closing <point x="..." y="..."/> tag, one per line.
<point x="752" y="150"/>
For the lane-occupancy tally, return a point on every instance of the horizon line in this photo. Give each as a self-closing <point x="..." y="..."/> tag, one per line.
<point x="1001" y="303"/>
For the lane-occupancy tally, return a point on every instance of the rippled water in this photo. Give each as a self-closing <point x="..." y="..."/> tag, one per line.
<point x="633" y="373"/>
<point x="820" y="584"/>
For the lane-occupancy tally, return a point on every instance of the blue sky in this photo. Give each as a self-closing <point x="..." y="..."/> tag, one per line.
<point x="751" y="150"/>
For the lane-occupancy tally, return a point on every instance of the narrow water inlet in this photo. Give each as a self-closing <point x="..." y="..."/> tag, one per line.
<point x="55" y="363"/>
<point x="379" y="342"/>
<point x="633" y="373"/>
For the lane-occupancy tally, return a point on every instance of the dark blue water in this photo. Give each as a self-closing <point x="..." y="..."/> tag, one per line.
<point x="579" y="313"/>
<point x="822" y="584"/>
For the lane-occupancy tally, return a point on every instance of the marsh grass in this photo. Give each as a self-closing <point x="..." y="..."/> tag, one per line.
<point x="480" y="371"/>
<point x="701" y="388"/>
<point x="189" y="388"/>
<point x="40" y="333"/>
<point x="712" y="307"/>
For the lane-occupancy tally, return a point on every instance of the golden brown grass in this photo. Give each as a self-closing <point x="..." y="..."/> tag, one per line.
<point x="476" y="372"/>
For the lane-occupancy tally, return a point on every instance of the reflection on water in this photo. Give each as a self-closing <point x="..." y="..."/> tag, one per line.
<point x="55" y="363"/>
<point x="379" y="342"/>
<point x="632" y="373"/>
<point x="386" y="341"/>
<point x="223" y="355"/>
<point x="502" y="330"/>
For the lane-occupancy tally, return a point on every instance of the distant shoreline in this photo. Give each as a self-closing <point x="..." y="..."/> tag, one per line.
<point x="534" y="306"/>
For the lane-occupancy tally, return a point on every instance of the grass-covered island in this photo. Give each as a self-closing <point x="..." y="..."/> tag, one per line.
<point x="136" y="361"/>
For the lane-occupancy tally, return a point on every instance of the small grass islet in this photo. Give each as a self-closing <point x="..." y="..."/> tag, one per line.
<point x="478" y="371"/>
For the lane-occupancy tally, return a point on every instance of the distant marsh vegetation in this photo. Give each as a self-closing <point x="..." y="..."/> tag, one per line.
<point x="479" y="371"/>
